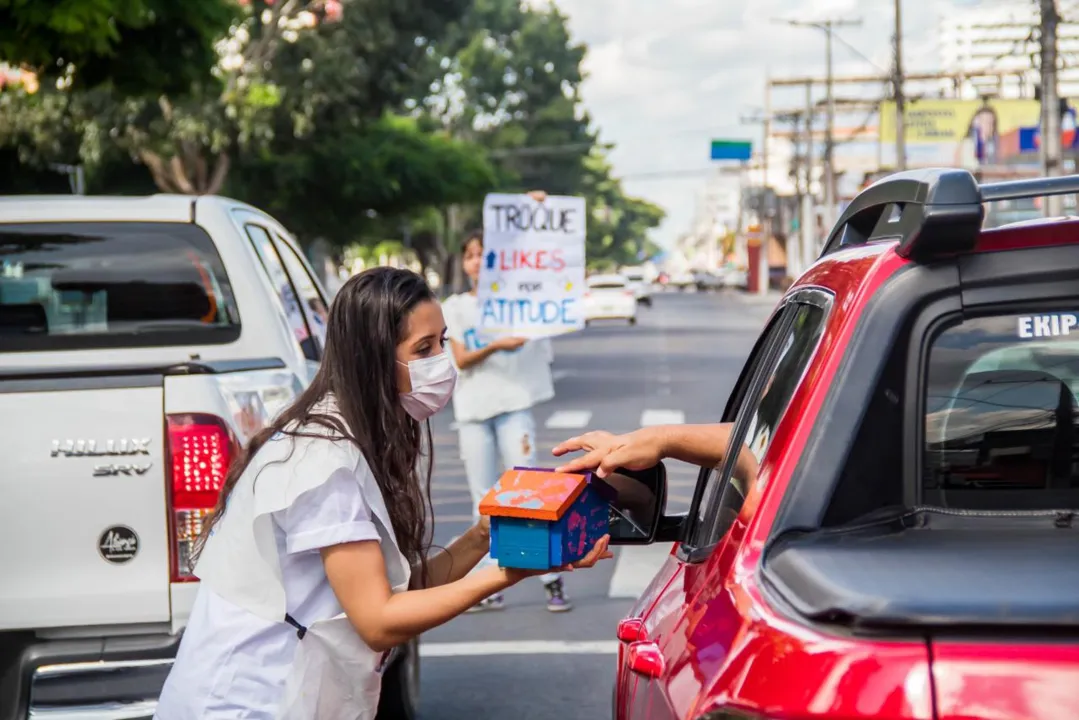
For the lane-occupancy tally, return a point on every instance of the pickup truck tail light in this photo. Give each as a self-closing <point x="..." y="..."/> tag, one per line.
<point x="201" y="448"/>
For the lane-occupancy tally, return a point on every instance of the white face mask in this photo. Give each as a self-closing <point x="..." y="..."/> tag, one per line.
<point x="433" y="380"/>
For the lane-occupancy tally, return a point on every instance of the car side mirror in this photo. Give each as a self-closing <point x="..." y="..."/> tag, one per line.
<point x="636" y="511"/>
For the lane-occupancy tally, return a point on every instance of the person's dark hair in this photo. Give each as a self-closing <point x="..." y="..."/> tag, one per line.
<point x="474" y="236"/>
<point x="367" y="320"/>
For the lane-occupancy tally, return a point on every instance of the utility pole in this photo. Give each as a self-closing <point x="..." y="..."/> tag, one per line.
<point x="766" y="219"/>
<point x="1051" y="151"/>
<point x="809" y="215"/>
<point x="900" y="98"/>
<point x="828" y="27"/>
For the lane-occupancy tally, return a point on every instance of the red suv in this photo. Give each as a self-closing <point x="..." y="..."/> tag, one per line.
<point x="908" y="546"/>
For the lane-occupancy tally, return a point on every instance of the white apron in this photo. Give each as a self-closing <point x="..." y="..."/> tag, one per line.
<point x="334" y="674"/>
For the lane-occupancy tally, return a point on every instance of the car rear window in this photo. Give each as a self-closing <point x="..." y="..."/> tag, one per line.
<point x="71" y="286"/>
<point x="1001" y="411"/>
<point x="607" y="285"/>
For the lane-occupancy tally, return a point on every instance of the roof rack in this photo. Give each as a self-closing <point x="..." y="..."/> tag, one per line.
<point x="933" y="212"/>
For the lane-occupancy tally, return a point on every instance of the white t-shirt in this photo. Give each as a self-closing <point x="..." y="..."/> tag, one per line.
<point x="233" y="664"/>
<point x="505" y="381"/>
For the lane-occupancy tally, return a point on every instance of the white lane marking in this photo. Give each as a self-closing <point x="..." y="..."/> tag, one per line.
<point x="518" y="647"/>
<point x="560" y="375"/>
<point x="568" y="419"/>
<point x="635" y="567"/>
<point x="662" y="417"/>
<point x="664" y="378"/>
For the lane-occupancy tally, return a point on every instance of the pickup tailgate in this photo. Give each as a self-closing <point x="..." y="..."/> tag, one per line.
<point x="83" y="517"/>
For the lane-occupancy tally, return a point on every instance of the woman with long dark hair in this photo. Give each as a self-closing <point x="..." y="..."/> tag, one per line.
<point x="315" y="562"/>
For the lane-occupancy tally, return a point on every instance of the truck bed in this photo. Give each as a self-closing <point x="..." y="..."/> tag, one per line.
<point x="932" y="567"/>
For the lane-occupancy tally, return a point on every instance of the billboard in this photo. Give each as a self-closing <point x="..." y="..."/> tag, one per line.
<point x="964" y="133"/>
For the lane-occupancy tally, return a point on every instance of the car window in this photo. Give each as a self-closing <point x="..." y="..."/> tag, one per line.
<point x="782" y="365"/>
<point x="271" y="262"/>
<point x="312" y="302"/>
<point x="73" y="286"/>
<point x="1001" y="411"/>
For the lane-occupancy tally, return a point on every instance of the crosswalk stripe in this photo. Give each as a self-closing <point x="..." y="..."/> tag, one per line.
<point x="662" y="417"/>
<point x="518" y="647"/>
<point x="568" y="419"/>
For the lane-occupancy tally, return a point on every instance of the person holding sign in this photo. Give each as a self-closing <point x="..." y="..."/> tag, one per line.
<point x="500" y="380"/>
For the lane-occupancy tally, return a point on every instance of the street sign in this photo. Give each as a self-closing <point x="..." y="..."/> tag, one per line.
<point x="732" y="150"/>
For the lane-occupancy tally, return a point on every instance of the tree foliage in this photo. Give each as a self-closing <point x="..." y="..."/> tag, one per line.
<point x="342" y="182"/>
<point x="136" y="46"/>
<point x="374" y="121"/>
<point x="509" y="77"/>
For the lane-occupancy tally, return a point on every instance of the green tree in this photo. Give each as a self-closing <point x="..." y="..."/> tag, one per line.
<point x="137" y="46"/>
<point x="618" y="225"/>
<point x="343" y="162"/>
<point x="343" y="182"/>
<point x="509" y="77"/>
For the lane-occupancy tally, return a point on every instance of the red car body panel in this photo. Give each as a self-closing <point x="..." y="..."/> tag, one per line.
<point x="712" y="623"/>
<point x="726" y="648"/>
<point x="983" y="681"/>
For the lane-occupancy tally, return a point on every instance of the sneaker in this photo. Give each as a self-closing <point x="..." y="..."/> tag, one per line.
<point x="556" y="597"/>
<point x="493" y="602"/>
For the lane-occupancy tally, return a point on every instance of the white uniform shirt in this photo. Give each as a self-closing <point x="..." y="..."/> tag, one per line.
<point x="232" y="663"/>
<point x="505" y="381"/>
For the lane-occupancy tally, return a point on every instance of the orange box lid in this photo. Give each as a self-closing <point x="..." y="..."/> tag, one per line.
<point x="533" y="494"/>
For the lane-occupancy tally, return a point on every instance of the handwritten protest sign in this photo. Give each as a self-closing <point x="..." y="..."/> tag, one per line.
<point x="532" y="277"/>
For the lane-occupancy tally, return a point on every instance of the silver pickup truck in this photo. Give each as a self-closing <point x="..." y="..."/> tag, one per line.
<point x="142" y="342"/>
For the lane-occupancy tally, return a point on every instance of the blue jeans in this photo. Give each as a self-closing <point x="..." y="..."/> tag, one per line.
<point x="490" y="447"/>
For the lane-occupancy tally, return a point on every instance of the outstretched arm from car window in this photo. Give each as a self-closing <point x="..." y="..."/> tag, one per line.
<point x="703" y="445"/>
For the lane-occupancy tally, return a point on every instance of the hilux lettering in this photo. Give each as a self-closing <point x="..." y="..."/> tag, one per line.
<point x="90" y="448"/>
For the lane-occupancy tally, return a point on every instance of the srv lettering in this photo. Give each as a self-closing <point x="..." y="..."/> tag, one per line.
<point x="113" y="470"/>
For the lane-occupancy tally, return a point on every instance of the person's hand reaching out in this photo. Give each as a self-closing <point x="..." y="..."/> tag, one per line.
<point x="605" y="453"/>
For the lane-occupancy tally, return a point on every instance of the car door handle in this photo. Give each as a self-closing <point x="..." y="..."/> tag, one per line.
<point x="632" y="630"/>
<point x="646" y="659"/>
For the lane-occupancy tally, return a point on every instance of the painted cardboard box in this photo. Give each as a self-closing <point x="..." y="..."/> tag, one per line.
<point x="541" y="519"/>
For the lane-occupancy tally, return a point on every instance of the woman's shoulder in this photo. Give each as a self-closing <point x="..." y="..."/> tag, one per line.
<point x="312" y="444"/>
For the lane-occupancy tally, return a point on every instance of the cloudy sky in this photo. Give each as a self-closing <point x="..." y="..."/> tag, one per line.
<point x="666" y="76"/>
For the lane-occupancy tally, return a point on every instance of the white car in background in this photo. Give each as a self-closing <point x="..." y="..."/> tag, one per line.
<point x="642" y="289"/>
<point x="609" y="298"/>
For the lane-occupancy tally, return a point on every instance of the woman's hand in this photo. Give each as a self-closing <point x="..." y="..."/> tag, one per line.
<point x="598" y="552"/>
<point x="605" y="453"/>
<point x="537" y="195"/>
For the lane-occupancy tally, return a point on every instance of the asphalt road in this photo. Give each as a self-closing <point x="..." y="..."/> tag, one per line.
<point x="677" y="365"/>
